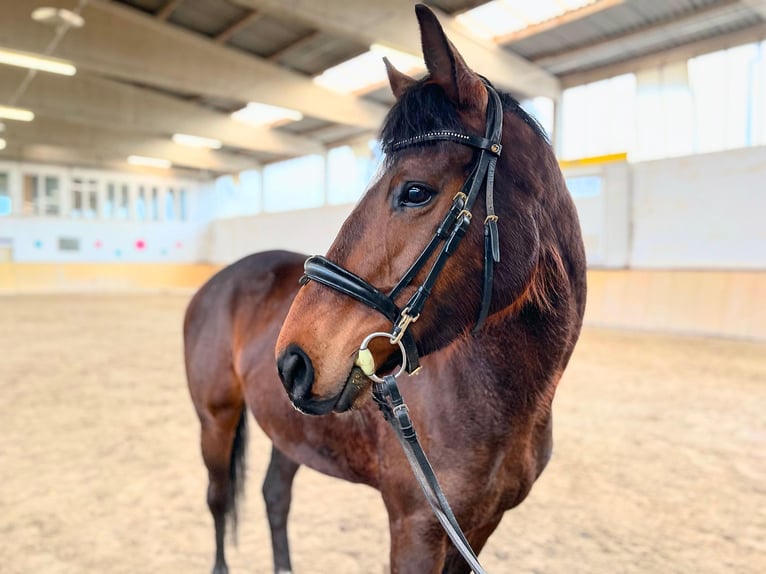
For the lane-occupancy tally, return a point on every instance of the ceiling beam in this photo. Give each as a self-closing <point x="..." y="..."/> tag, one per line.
<point x="92" y="158"/>
<point x="167" y="10"/>
<point x="620" y="47"/>
<point x="189" y="62"/>
<point x="223" y="36"/>
<point x="99" y="102"/>
<point x="755" y="33"/>
<point x="393" y="23"/>
<point x="299" y="43"/>
<point x="758" y="6"/>
<point x="566" y="18"/>
<point x="115" y="145"/>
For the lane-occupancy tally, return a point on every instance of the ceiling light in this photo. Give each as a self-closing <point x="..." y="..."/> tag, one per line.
<point x="149" y="161"/>
<point x="35" y="62"/>
<point x="502" y="17"/>
<point x="264" y="114"/>
<point x="196" y="141"/>
<point x="19" y="114"/>
<point x="2" y="144"/>
<point x="366" y="71"/>
<point x="57" y="17"/>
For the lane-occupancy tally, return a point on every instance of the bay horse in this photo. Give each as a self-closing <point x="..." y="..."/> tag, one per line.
<point x="482" y="400"/>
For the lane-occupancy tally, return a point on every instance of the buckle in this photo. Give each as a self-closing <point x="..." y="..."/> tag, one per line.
<point x="402" y="324"/>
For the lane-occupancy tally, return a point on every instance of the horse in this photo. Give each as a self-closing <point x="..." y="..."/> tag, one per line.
<point x="492" y="334"/>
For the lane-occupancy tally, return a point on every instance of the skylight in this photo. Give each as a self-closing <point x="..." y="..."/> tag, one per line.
<point x="145" y="161"/>
<point x="367" y="71"/>
<point x="197" y="141"/>
<point x="501" y="17"/>
<point x="265" y="115"/>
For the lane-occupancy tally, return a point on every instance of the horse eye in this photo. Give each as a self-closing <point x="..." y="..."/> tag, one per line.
<point x="415" y="195"/>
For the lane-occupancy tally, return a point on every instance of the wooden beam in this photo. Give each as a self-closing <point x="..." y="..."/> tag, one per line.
<point x="191" y="63"/>
<point x="167" y="10"/>
<point x="300" y="42"/>
<point x="393" y="24"/>
<point x="92" y="100"/>
<point x="223" y="36"/>
<point x="551" y="23"/>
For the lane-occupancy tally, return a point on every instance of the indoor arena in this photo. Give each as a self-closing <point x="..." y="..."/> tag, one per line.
<point x="149" y="148"/>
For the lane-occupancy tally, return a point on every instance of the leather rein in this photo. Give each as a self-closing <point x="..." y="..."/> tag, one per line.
<point x="447" y="235"/>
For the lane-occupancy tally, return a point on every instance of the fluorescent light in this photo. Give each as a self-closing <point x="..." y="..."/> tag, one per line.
<point x="57" y="16"/>
<point x="19" y="114"/>
<point x="149" y="161"/>
<point x="196" y="141"/>
<point x="502" y="17"/>
<point x="2" y="144"/>
<point x="35" y="62"/>
<point x="366" y="71"/>
<point x="264" y="114"/>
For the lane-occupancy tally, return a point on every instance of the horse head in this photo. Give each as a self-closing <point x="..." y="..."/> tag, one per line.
<point x="421" y="180"/>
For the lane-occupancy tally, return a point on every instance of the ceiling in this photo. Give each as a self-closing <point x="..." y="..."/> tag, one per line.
<point x="151" y="68"/>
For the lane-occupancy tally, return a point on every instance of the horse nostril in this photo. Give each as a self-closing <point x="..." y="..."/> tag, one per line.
<point x="296" y="372"/>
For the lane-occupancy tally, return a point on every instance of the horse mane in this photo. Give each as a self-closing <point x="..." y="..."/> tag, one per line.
<point x="425" y="107"/>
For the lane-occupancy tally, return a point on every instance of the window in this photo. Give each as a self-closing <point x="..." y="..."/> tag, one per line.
<point x="349" y="172"/>
<point x="6" y="204"/>
<point x="31" y="205"/>
<point x="183" y="214"/>
<point x="84" y="198"/>
<point x="597" y="118"/>
<point x="141" y="203"/>
<point x="170" y="204"/>
<point x="122" y="210"/>
<point x="294" y="184"/>
<point x="52" y="195"/>
<point x="728" y="101"/>
<point x="154" y="205"/>
<point x="109" y="202"/>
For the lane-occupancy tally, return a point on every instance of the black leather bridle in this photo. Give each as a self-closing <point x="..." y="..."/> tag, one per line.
<point x="449" y="233"/>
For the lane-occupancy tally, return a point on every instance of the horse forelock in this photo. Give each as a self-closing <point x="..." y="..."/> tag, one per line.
<point x="425" y="107"/>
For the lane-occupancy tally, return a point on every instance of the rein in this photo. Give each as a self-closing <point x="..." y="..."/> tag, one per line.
<point x="448" y="234"/>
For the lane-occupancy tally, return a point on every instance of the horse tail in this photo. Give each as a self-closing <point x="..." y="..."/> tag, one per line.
<point x="237" y="471"/>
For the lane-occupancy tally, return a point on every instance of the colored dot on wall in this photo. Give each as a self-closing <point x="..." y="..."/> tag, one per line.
<point x="118" y="252"/>
<point x="164" y="252"/>
<point x="98" y="244"/>
<point x="179" y="244"/>
<point x="38" y="244"/>
<point x="140" y="244"/>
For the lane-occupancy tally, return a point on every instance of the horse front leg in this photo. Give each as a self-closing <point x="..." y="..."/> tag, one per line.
<point x="418" y="544"/>
<point x="277" y="493"/>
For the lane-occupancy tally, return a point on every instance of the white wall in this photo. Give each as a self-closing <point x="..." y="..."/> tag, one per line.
<point x="101" y="237"/>
<point x="701" y="211"/>
<point x="308" y="231"/>
<point x="696" y="212"/>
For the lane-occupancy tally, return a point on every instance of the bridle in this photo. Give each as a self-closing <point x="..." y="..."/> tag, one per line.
<point x="448" y="234"/>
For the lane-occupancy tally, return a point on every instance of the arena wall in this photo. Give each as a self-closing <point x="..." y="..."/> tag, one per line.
<point x="673" y="245"/>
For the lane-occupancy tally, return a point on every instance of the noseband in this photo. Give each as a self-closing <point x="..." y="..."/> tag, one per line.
<point x="448" y="234"/>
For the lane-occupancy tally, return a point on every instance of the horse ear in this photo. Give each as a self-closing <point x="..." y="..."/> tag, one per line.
<point x="400" y="83"/>
<point x="446" y="65"/>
